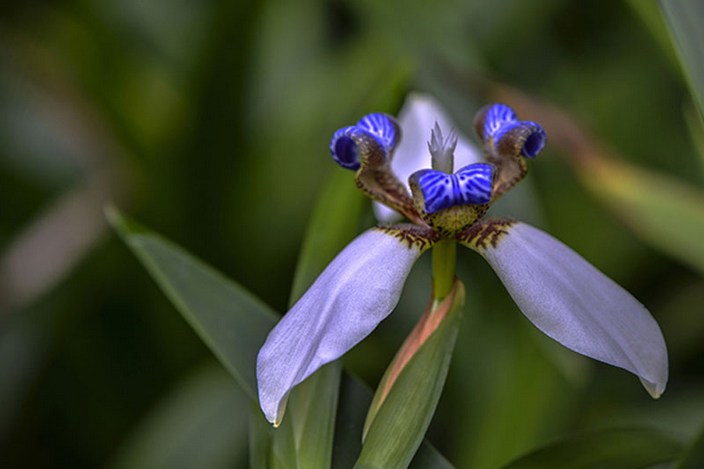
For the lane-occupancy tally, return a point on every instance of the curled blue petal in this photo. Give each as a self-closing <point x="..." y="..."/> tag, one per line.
<point x="381" y="126"/>
<point x="344" y="149"/>
<point x="501" y="123"/>
<point x="470" y="185"/>
<point x="374" y="134"/>
<point x="498" y="119"/>
<point x="535" y="141"/>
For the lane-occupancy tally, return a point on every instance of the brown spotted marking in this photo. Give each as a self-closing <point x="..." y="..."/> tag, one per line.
<point x="486" y="233"/>
<point x="376" y="179"/>
<point x="420" y="237"/>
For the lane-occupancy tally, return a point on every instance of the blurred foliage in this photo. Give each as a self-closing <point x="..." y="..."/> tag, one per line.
<point x="210" y="121"/>
<point x="683" y="25"/>
<point x="612" y="448"/>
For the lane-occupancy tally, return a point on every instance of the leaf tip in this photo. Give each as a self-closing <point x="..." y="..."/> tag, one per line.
<point x="115" y="218"/>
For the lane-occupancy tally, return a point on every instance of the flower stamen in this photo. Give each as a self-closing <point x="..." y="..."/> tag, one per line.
<point x="442" y="150"/>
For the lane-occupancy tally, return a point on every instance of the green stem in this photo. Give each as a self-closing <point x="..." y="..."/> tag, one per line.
<point x="444" y="266"/>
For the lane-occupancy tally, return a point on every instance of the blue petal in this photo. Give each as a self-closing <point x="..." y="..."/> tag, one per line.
<point x="344" y="148"/>
<point x="378" y="129"/>
<point x="381" y="126"/>
<point x="535" y="141"/>
<point x="497" y="118"/>
<point x="470" y="185"/>
<point x="501" y="121"/>
<point x="475" y="183"/>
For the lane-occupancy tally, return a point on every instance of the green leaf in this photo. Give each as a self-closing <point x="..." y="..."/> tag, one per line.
<point x="283" y="450"/>
<point x="355" y="396"/>
<point x="695" y="124"/>
<point x="232" y="322"/>
<point x="613" y="448"/>
<point x="400" y="423"/>
<point x="651" y="16"/>
<point x="305" y="437"/>
<point x="260" y="438"/>
<point x="200" y="424"/>
<point x="683" y="19"/>
<point x="427" y="457"/>
<point x="663" y="211"/>
<point x="694" y="456"/>
<point x="313" y="409"/>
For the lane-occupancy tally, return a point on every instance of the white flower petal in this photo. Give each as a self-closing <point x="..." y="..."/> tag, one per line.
<point x="574" y="303"/>
<point x="359" y="288"/>
<point x="417" y="118"/>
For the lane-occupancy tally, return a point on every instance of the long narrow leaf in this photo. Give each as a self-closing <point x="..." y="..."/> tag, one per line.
<point x="199" y="424"/>
<point x="402" y="419"/>
<point x="694" y="456"/>
<point x="231" y="321"/>
<point x="355" y="397"/>
<point x="684" y="23"/>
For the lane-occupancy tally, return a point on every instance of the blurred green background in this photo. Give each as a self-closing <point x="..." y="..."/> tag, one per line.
<point x="210" y="120"/>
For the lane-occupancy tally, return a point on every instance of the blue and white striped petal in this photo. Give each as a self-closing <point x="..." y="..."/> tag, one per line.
<point x="572" y="302"/>
<point x="498" y="118"/>
<point x="501" y="120"/>
<point x="470" y="185"/>
<point x="343" y="147"/>
<point x="381" y="126"/>
<point x="356" y="291"/>
<point x="418" y="116"/>
<point x="374" y="132"/>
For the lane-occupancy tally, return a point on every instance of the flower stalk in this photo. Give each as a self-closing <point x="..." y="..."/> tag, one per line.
<point x="444" y="266"/>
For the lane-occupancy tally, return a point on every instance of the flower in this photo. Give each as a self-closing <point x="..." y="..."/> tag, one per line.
<point x="556" y="289"/>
